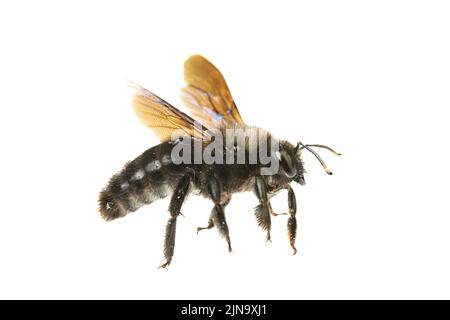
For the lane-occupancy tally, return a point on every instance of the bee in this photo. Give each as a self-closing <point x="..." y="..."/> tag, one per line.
<point x="240" y="160"/>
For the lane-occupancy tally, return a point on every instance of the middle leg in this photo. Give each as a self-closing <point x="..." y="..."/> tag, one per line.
<point x="211" y="218"/>
<point x="217" y="217"/>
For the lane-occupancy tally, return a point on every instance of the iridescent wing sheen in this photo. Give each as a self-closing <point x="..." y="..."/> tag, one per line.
<point x="163" y="118"/>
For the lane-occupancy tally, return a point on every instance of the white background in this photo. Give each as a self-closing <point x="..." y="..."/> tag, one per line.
<point x="370" y="78"/>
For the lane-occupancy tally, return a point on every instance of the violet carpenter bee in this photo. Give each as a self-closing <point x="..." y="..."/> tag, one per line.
<point x="215" y="155"/>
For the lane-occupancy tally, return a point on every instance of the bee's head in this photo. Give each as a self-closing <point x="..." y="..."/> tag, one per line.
<point x="291" y="162"/>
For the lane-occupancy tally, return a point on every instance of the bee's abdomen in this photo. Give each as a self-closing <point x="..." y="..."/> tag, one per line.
<point x="140" y="182"/>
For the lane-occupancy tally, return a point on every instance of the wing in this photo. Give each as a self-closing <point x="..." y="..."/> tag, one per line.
<point x="207" y="95"/>
<point x="163" y="118"/>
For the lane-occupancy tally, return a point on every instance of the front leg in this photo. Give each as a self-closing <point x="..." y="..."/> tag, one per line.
<point x="176" y="202"/>
<point x="264" y="209"/>
<point x="292" y="221"/>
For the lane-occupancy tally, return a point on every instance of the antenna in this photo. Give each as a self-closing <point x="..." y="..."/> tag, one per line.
<point x="324" y="147"/>
<point x="307" y="147"/>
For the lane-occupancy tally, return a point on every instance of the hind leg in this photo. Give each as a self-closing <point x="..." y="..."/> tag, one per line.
<point x="176" y="202"/>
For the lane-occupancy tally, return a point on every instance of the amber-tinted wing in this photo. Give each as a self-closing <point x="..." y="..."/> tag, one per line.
<point x="163" y="118"/>
<point x="207" y="95"/>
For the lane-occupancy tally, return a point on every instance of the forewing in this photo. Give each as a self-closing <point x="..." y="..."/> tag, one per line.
<point x="207" y="95"/>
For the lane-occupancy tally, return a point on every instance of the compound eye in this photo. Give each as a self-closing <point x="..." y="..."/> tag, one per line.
<point x="287" y="165"/>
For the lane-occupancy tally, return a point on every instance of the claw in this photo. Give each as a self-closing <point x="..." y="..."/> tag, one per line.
<point x="202" y="228"/>
<point x="210" y="226"/>
<point x="295" y="250"/>
<point x="164" y="265"/>
<point x="268" y="238"/>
